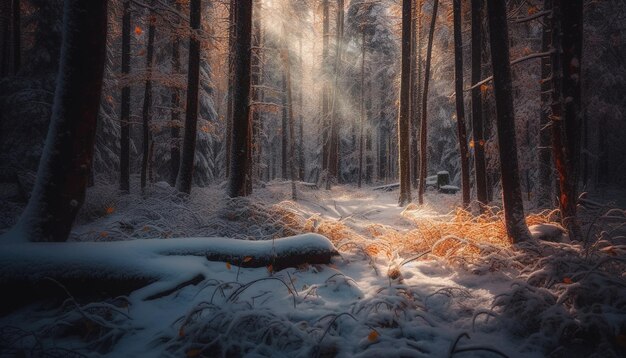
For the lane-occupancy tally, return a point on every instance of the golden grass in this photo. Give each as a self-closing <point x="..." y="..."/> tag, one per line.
<point x="458" y="234"/>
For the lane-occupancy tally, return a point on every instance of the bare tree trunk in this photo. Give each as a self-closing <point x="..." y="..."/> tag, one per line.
<point x="125" y="105"/>
<point x="256" y="79"/>
<point x="292" y="137"/>
<point x="585" y="149"/>
<point x="63" y="171"/>
<point x="5" y="49"/>
<point x="231" y="66"/>
<point x="369" y="162"/>
<point x="301" y="157"/>
<point x="416" y="84"/>
<point x="424" y="120"/>
<point x="17" y="36"/>
<point x="333" y="152"/>
<point x="362" y="124"/>
<point x="566" y="109"/>
<point x="185" y="173"/>
<point x="480" y="169"/>
<point x="147" y="102"/>
<point x="404" y="150"/>
<point x="325" y="87"/>
<point x="511" y="191"/>
<point x="241" y="100"/>
<point x="175" y="126"/>
<point x="283" y="130"/>
<point x="460" y="105"/>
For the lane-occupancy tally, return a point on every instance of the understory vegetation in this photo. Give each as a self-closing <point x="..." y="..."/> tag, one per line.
<point x="562" y="298"/>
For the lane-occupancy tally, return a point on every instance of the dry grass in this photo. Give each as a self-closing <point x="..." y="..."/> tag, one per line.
<point x="458" y="234"/>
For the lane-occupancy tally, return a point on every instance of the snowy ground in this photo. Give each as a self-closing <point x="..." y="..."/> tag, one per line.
<point x="363" y="304"/>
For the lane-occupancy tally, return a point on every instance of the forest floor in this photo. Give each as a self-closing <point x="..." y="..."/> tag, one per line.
<point x="419" y="281"/>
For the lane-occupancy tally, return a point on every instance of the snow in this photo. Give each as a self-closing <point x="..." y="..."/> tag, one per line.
<point x="352" y="307"/>
<point x="548" y="232"/>
<point x="164" y="259"/>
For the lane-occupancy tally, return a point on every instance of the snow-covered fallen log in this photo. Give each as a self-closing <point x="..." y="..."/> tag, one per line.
<point x="388" y="187"/>
<point x="157" y="266"/>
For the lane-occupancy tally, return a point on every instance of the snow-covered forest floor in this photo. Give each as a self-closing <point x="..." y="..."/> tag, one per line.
<point x="430" y="281"/>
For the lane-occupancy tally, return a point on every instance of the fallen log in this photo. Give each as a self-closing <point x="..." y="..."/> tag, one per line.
<point x="388" y="187"/>
<point x="149" y="268"/>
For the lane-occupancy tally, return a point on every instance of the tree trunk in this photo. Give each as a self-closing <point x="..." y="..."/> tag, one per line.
<point x="362" y="123"/>
<point x="325" y="89"/>
<point x="256" y="79"/>
<point x="585" y="149"/>
<point x="369" y="162"/>
<point x="185" y="173"/>
<point x="566" y="109"/>
<point x="64" y="165"/>
<point x="511" y="191"/>
<point x="232" y="34"/>
<point x="544" y="194"/>
<point x="5" y="48"/>
<point x="424" y="120"/>
<point x="175" y="102"/>
<point x="480" y="170"/>
<point x="283" y="130"/>
<point x="147" y="102"/>
<point x="292" y="138"/>
<point x="404" y="150"/>
<point x="17" y="36"/>
<point x="333" y="152"/>
<point x="241" y="100"/>
<point x="416" y="84"/>
<point x="460" y="104"/>
<point x="301" y="160"/>
<point x="125" y="105"/>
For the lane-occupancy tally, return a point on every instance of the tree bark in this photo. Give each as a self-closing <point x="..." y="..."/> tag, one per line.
<point x="544" y="194"/>
<point x="5" y="48"/>
<point x="404" y="150"/>
<point x="292" y="137"/>
<point x="185" y="173"/>
<point x="284" y="157"/>
<point x="125" y="105"/>
<point x="566" y="108"/>
<point x="232" y="34"/>
<point x="301" y="157"/>
<point x="147" y="102"/>
<point x="325" y="89"/>
<point x="17" y="36"/>
<point x="175" y="102"/>
<point x="333" y="152"/>
<point x="256" y="81"/>
<point x="63" y="171"/>
<point x="424" y="120"/>
<point x="362" y="122"/>
<point x="511" y="191"/>
<point x="460" y="105"/>
<point x="480" y="170"/>
<point x="241" y="100"/>
<point x="416" y="84"/>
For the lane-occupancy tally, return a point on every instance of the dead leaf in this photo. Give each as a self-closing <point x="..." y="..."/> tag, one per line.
<point x="373" y="336"/>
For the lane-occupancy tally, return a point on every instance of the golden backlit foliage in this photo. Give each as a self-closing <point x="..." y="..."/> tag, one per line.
<point x="459" y="234"/>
